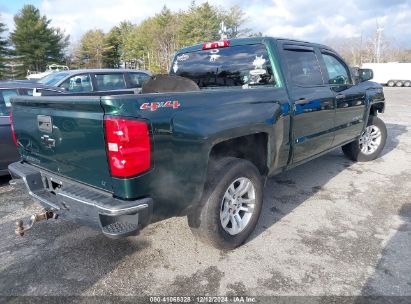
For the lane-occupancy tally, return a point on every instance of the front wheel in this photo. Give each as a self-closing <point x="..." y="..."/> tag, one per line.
<point x="371" y="142"/>
<point x="231" y="204"/>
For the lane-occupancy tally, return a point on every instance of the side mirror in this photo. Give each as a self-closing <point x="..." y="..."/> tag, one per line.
<point x="365" y="74"/>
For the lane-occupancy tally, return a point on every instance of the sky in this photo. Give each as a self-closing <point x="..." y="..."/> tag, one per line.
<point x="316" y="21"/>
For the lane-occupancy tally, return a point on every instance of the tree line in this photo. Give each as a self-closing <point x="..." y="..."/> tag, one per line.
<point x="359" y="50"/>
<point x="31" y="46"/>
<point x="34" y="43"/>
<point x="150" y="45"/>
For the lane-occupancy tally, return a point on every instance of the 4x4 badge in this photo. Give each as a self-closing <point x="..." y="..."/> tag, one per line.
<point x="163" y="104"/>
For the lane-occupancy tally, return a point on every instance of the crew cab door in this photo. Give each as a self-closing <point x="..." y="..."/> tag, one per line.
<point x="313" y="102"/>
<point x="350" y="99"/>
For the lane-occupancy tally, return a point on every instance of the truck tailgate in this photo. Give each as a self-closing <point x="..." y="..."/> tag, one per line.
<point x="64" y="135"/>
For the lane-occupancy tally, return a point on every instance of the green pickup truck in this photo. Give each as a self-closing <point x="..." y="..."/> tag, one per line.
<point x="254" y="108"/>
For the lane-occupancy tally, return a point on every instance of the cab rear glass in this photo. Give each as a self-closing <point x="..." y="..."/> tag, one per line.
<point x="242" y="66"/>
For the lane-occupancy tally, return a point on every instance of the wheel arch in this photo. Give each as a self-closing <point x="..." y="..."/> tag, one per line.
<point x="252" y="147"/>
<point x="377" y="108"/>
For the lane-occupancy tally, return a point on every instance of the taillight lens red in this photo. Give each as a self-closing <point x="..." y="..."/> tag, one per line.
<point x="216" y="44"/>
<point x="128" y="146"/>
<point x="12" y="130"/>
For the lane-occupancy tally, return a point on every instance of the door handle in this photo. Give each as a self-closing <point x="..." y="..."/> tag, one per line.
<point x="340" y="96"/>
<point x="301" y="101"/>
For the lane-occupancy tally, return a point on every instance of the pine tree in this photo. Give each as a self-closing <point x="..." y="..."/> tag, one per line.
<point x="93" y="47"/>
<point x="234" y="18"/>
<point x="3" y="51"/>
<point x="153" y="42"/>
<point x="199" y="24"/>
<point x="36" y="43"/>
<point x="112" y="55"/>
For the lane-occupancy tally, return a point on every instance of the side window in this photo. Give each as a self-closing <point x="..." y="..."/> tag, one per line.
<point x="28" y="92"/>
<point x="5" y="103"/>
<point x="78" y="83"/>
<point x="337" y="72"/>
<point x="137" y="79"/>
<point x="107" y="82"/>
<point x="303" y="67"/>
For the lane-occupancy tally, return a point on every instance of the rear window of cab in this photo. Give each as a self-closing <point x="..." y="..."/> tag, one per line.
<point x="235" y="66"/>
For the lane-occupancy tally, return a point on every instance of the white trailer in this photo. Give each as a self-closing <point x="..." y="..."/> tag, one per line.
<point x="391" y="73"/>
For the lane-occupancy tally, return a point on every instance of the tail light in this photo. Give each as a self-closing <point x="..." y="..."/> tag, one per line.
<point x="216" y="44"/>
<point x="12" y="130"/>
<point x="128" y="146"/>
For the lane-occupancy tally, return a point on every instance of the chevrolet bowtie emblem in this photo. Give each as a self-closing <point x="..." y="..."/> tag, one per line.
<point x="47" y="141"/>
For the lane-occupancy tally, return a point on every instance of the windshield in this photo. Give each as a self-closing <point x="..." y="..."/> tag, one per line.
<point x="237" y="66"/>
<point x="53" y="78"/>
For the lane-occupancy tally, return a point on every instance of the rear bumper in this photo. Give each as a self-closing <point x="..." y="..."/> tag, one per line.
<point x="83" y="204"/>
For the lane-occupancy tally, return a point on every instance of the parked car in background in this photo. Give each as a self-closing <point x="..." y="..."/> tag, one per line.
<point x="77" y="82"/>
<point x="97" y="80"/>
<point x="8" y="89"/>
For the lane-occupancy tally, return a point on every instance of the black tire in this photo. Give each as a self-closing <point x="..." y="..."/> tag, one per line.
<point x="204" y="219"/>
<point x="353" y="151"/>
<point x="407" y="83"/>
<point x="391" y="83"/>
<point x="398" y="84"/>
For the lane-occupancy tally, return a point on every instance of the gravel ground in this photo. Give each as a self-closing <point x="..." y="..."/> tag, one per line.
<point x="329" y="227"/>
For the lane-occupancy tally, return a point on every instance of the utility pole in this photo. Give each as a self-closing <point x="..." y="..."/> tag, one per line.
<point x="361" y="49"/>
<point x="378" y="43"/>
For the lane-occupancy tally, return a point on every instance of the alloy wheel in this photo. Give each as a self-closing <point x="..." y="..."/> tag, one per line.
<point x="237" y="206"/>
<point x="370" y="140"/>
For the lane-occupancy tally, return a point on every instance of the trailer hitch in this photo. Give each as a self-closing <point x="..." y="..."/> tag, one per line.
<point x="38" y="217"/>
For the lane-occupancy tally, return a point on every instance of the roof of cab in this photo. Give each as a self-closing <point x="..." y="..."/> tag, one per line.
<point x="251" y="40"/>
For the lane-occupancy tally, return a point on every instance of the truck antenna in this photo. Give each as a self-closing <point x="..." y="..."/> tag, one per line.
<point x="378" y="43"/>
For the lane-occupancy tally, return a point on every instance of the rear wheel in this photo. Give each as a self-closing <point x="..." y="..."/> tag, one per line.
<point x="231" y="204"/>
<point x="407" y="83"/>
<point x="371" y="142"/>
<point x="398" y="84"/>
<point x="391" y="83"/>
